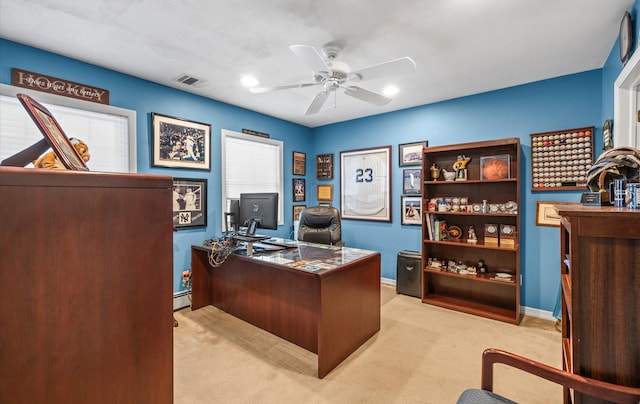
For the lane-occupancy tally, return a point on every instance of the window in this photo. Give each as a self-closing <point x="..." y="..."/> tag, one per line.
<point x="108" y="131"/>
<point x="250" y="164"/>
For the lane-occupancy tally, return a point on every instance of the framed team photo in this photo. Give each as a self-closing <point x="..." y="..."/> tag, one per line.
<point x="365" y="184"/>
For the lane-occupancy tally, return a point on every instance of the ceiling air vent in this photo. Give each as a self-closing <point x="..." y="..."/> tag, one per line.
<point x="190" y="80"/>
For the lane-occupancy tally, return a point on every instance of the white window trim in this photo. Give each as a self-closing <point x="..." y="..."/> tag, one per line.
<point x="278" y="143"/>
<point x="47" y="98"/>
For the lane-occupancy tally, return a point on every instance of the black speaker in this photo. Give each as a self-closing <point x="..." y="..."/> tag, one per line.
<point x="408" y="273"/>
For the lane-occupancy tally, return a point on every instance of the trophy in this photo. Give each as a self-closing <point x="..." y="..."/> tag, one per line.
<point x="435" y="172"/>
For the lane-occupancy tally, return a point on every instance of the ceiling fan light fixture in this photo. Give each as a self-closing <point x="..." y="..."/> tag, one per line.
<point x="390" y="90"/>
<point x="249" y="81"/>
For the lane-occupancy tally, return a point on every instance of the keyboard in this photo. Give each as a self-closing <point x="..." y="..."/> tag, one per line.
<point x="281" y="242"/>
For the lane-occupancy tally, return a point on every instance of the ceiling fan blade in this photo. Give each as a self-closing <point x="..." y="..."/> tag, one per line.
<point x="310" y="56"/>
<point x="317" y="103"/>
<point x="259" y="90"/>
<point x="397" y="66"/>
<point x="366" y="95"/>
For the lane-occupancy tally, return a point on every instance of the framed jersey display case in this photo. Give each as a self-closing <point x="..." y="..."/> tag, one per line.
<point x="365" y="184"/>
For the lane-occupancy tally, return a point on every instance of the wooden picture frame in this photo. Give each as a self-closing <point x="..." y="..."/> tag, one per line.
<point x="325" y="192"/>
<point x="411" y="210"/>
<point x="324" y="166"/>
<point x="410" y="154"/>
<point x="189" y="202"/>
<point x="547" y="214"/>
<point x="299" y="163"/>
<point x="412" y="181"/>
<point x="179" y="143"/>
<point x="299" y="190"/>
<point x="296" y="209"/>
<point x="365" y="184"/>
<point x="53" y="133"/>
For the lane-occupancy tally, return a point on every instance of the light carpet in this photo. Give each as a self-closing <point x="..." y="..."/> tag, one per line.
<point x="422" y="354"/>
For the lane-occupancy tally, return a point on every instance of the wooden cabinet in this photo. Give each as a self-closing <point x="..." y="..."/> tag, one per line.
<point x="489" y="199"/>
<point x="600" y="277"/>
<point x="85" y="287"/>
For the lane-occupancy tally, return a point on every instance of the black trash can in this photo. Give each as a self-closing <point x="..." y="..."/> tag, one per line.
<point x="408" y="273"/>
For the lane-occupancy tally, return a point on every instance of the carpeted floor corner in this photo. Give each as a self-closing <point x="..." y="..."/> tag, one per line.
<point x="422" y="354"/>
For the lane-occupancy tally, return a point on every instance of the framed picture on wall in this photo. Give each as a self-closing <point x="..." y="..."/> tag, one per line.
<point x="547" y="214"/>
<point x="324" y="166"/>
<point x="365" y="184"/>
<point x="411" y="180"/>
<point x="179" y="143"/>
<point x="410" y="154"/>
<point x="325" y="192"/>
<point x="299" y="163"/>
<point x="411" y="210"/>
<point x="296" y="211"/>
<point x="189" y="202"/>
<point x="299" y="190"/>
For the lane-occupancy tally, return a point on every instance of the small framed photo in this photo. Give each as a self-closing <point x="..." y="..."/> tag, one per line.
<point x="325" y="192"/>
<point x="411" y="153"/>
<point x="189" y="202"/>
<point x="179" y="143"/>
<point x="324" y="166"/>
<point x="299" y="163"/>
<point x="296" y="211"/>
<point x="299" y="190"/>
<point x="411" y="180"/>
<point x="495" y="167"/>
<point x="411" y="210"/>
<point x="547" y="214"/>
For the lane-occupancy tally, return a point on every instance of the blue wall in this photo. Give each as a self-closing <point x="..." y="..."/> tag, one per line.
<point x="146" y="97"/>
<point x="583" y="99"/>
<point x="561" y="103"/>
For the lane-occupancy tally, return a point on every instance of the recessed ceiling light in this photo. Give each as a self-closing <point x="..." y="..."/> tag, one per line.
<point x="390" y="91"/>
<point x="249" y="81"/>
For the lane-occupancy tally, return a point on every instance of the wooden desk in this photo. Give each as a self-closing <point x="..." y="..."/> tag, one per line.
<point x="328" y="311"/>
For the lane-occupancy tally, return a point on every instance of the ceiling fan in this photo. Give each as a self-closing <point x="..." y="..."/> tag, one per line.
<point x="332" y="74"/>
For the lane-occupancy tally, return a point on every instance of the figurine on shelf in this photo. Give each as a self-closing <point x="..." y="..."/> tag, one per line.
<point x="482" y="267"/>
<point x="460" y="167"/>
<point x="435" y="172"/>
<point x="473" y="238"/>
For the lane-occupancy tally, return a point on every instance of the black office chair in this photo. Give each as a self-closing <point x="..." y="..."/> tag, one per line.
<point x="320" y="224"/>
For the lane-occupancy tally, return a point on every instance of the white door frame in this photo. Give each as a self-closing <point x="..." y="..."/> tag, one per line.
<point x="625" y="104"/>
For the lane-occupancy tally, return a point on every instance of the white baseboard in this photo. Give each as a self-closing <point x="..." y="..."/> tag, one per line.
<point x="543" y="314"/>
<point x="387" y="281"/>
<point x="181" y="300"/>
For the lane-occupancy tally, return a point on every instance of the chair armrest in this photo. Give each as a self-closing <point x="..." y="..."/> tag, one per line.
<point x="592" y="387"/>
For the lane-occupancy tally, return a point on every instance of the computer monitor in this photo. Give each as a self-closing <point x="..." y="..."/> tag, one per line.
<point x="259" y="210"/>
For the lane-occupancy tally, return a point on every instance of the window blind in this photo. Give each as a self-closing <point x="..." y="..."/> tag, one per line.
<point x="108" y="134"/>
<point x="251" y="164"/>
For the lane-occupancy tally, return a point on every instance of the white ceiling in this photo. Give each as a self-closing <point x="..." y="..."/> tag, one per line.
<point x="460" y="47"/>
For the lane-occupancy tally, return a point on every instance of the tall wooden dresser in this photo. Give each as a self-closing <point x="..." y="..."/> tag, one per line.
<point x="600" y="275"/>
<point x="85" y="287"/>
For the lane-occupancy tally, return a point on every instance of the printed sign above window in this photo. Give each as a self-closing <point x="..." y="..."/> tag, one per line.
<point x="54" y="85"/>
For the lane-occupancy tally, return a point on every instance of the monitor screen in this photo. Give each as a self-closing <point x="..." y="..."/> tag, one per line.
<point x="262" y="207"/>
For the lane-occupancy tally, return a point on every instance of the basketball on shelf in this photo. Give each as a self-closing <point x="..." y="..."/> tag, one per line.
<point x="495" y="169"/>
